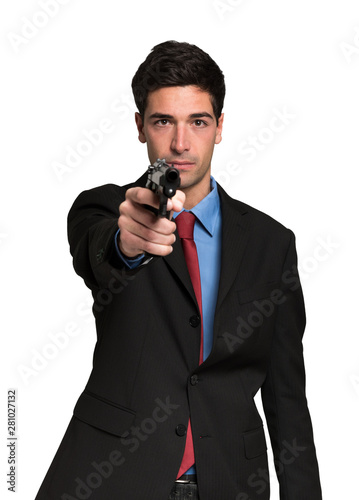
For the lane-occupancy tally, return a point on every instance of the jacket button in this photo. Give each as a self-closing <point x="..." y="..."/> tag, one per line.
<point x="181" y="430"/>
<point x="194" y="379"/>
<point x="194" y="320"/>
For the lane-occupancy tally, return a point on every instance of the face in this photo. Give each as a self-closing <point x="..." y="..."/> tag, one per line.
<point x="179" y="125"/>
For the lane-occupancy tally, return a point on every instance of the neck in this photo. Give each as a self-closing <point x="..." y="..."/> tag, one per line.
<point x="195" y="194"/>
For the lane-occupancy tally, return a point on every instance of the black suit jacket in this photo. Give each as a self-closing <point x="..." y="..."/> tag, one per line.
<point x="126" y="437"/>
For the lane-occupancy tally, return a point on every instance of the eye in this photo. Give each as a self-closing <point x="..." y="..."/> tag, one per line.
<point x="200" y="123"/>
<point x="162" y="122"/>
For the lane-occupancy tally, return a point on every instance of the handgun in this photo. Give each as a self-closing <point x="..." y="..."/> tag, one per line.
<point x="163" y="180"/>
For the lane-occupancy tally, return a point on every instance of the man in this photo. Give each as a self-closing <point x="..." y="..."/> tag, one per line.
<point x="194" y="315"/>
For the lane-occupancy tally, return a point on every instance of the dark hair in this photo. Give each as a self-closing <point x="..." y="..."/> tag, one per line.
<point x="172" y="64"/>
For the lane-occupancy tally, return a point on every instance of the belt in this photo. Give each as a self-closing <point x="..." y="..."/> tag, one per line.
<point x="187" y="479"/>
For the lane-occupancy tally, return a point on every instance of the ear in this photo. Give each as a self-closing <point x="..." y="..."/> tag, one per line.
<point x="219" y="129"/>
<point x="139" y="124"/>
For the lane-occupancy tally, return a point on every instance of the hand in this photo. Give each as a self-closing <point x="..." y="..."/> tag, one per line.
<point x="141" y="230"/>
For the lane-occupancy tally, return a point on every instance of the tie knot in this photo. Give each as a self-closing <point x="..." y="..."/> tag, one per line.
<point x="185" y="225"/>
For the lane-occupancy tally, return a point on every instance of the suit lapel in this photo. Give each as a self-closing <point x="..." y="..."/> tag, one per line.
<point x="234" y="241"/>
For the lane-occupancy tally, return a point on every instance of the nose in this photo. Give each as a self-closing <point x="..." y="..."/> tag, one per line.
<point x="180" y="140"/>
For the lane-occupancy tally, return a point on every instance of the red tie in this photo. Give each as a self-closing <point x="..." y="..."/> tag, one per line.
<point x="185" y="225"/>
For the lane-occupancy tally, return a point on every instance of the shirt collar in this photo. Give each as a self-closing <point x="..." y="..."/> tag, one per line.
<point x="207" y="210"/>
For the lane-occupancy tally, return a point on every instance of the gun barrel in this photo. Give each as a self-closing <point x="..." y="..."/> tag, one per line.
<point x="172" y="174"/>
<point x="163" y="180"/>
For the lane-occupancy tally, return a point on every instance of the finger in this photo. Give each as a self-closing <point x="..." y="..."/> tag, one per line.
<point x="142" y="196"/>
<point x="177" y="202"/>
<point x="145" y="217"/>
<point x="148" y="233"/>
<point x="139" y="245"/>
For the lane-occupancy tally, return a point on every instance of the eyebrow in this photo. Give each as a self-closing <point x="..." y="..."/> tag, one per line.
<point x="162" y="116"/>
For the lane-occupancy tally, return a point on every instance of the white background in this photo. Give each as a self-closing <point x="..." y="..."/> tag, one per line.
<point x="71" y="73"/>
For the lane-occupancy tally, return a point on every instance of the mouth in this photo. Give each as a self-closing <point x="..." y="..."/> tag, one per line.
<point x="181" y="165"/>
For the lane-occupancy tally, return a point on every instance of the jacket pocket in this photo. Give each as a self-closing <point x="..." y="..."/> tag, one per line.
<point x="258" y="292"/>
<point x="254" y="443"/>
<point x="103" y="414"/>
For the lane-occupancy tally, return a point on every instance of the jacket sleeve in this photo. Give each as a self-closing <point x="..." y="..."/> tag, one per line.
<point x="92" y="225"/>
<point x="283" y="394"/>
